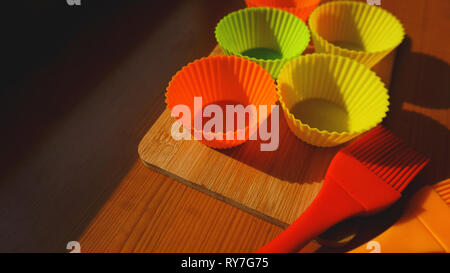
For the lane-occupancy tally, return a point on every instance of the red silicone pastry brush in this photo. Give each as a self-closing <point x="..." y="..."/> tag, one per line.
<point x="363" y="178"/>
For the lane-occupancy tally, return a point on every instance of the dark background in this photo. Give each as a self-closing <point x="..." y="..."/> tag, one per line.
<point x="67" y="139"/>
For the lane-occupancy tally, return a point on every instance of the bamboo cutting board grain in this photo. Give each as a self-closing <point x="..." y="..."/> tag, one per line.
<point x="276" y="186"/>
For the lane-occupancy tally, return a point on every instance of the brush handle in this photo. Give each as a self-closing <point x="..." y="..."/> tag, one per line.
<point x="332" y="205"/>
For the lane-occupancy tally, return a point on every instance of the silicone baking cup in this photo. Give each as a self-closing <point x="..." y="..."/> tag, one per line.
<point x="221" y="80"/>
<point x="357" y="30"/>
<point x="329" y="99"/>
<point x="300" y="8"/>
<point x="269" y="37"/>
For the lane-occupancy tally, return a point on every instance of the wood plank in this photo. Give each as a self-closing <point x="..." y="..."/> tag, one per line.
<point x="275" y="186"/>
<point x="151" y="213"/>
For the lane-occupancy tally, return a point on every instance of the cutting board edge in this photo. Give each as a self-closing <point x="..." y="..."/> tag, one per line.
<point x="216" y="195"/>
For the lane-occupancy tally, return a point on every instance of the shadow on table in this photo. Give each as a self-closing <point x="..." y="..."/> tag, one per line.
<point x="73" y="117"/>
<point x="294" y="161"/>
<point x="420" y="107"/>
<point x="420" y="110"/>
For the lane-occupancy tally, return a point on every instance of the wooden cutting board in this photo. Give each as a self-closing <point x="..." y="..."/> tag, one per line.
<point x="276" y="186"/>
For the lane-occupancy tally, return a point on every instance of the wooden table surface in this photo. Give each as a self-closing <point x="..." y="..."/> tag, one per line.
<point x="70" y="169"/>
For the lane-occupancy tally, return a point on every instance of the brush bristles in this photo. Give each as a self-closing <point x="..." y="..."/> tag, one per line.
<point x="443" y="189"/>
<point x="387" y="156"/>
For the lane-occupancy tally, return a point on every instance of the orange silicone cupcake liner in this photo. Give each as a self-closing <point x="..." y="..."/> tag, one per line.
<point x="300" y="8"/>
<point x="221" y="80"/>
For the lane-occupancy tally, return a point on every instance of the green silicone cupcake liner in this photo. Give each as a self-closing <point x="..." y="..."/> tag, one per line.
<point x="270" y="37"/>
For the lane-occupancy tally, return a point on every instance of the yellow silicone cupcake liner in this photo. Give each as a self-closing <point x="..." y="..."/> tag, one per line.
<point x="267" y="36"/>
<point x="329" y="99"/>
<point x="357" y="30"/>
